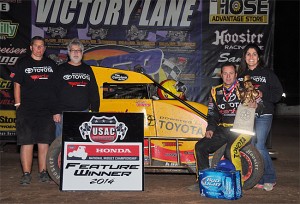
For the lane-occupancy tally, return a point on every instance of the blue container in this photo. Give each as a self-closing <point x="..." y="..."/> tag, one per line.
<point x="220" y="184"/>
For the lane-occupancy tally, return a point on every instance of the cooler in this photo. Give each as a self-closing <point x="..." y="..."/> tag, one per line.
<point x="220" y="184"/>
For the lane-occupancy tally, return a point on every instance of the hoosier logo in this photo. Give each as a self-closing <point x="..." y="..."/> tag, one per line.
<point x="103" y="129"/>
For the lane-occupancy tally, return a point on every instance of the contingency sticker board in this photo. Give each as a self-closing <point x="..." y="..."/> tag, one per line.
<point x="102" y="151"/>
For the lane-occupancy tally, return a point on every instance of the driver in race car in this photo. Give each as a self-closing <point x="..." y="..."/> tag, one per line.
<point x="222" y="108"/>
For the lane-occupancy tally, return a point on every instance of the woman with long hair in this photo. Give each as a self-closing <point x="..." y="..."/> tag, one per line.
<point x="270" y="92"/>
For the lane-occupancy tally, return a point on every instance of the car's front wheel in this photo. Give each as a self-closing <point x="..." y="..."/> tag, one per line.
<point x="252" y="164"/>
<point x="54" y="160"/>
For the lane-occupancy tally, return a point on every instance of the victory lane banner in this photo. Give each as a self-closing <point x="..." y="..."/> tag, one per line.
<point x="102" y="151"/>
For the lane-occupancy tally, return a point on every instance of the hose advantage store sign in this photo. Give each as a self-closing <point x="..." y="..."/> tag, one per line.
<point x="103" y="152"/>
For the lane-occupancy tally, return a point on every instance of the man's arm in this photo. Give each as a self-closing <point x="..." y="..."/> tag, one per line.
<point x="17" y="94"/>
<point x="213" y="116"/>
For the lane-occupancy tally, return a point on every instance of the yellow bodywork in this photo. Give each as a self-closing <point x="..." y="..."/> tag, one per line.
<point x="170" y="127"/>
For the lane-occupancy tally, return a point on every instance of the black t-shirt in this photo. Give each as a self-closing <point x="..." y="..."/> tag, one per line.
<point x="36" y="79"/>
<point x="267" y="82"/>
<point x="76" y="88"/>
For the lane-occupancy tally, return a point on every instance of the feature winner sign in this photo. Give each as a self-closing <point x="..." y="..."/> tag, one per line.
<point x="103" y="151"/>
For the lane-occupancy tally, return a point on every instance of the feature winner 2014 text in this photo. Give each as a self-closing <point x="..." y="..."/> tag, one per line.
<point x="101" y="170"/>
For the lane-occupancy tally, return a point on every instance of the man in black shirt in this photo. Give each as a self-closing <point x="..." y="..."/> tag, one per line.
<point x="33" y="86"/>
<point x="75" y="86"/>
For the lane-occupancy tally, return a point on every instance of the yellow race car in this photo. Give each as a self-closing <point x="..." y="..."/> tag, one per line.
<point x="172" y="125"/>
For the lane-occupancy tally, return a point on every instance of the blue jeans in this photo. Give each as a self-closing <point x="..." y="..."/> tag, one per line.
<point x="59" y="126"/>
<point x="262" y="127"/>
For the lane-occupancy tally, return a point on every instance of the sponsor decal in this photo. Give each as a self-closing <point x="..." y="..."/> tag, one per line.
<point x="254" y="159"/>
<point x="260" y="79"/>
<point x="142" y="104"/>
<point x="8" y="120"/>
<point x="37" y="73"/>
<point x="225" y="57"/>
<point x="211" y="181"/>
<point x="80" y="83"/>
<point x="8" y="29"/>
<point x="10" y="60"/>
<point x="38" y="69"/>
<point x="238" y="146"/>
<point x="151" y="120"/>
<point x="6" y="98"/>
<point x="171" y="144"/>
<point x="103" y="129"/>
<point x="12" y="50"/>
<point x="6" y="95"/>
<point x="57" y="32"/>
<point x="80" y="76"/>
<point x="180" y="128"/>
<point x="225" y="37"/>
<point x="5" y="84"/>
<point x="103" y="152"/>
<point x="39" y="76"/>
<point x="220" y="92"/>
<point x="79" y="152"/>
<point x="4" y="7"/>
<point x="239" y="12"/>
<point x="119" y="77"/>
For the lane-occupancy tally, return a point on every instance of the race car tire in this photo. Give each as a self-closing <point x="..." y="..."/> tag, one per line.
<point x="53" y="160"/>
<point x="252" y="164"/>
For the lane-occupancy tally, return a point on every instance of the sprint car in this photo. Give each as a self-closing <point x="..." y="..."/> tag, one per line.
<point x="172" y="125"/>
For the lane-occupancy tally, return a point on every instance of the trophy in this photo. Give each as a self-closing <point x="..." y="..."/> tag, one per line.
<point x="244" y="118"/>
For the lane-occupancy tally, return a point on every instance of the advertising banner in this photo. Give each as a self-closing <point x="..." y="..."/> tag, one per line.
<point x="186" y="41"/>
<point x="15" y="35"/>
<point x="227" y="27"/>
<point x="124" y="34"/>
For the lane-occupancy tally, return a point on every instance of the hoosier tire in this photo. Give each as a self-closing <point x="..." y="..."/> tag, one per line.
<point x="54" y="160"/>
<point x="252" y="164"/>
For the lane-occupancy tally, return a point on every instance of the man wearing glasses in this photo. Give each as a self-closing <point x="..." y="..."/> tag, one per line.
<point x="75" y="86"/>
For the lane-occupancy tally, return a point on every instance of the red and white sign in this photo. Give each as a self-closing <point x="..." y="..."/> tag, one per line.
<point x="92" y="166"/>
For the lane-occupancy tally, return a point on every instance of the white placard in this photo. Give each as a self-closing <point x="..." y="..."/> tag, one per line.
<point x="94" y="166"/>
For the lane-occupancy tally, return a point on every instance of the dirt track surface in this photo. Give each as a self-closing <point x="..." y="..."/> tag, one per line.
<point x="160" y="188"/>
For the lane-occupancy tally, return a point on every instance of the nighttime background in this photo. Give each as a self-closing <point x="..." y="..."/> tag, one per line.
<point x="286" y="52"/>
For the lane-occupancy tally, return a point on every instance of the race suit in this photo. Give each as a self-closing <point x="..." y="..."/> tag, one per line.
<point x="222" y="108"/>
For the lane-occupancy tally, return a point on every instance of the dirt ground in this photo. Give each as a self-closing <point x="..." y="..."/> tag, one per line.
<point x="160" y="188"/>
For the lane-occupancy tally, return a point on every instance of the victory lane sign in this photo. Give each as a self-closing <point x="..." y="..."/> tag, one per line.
<point x="102" y="151"/>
